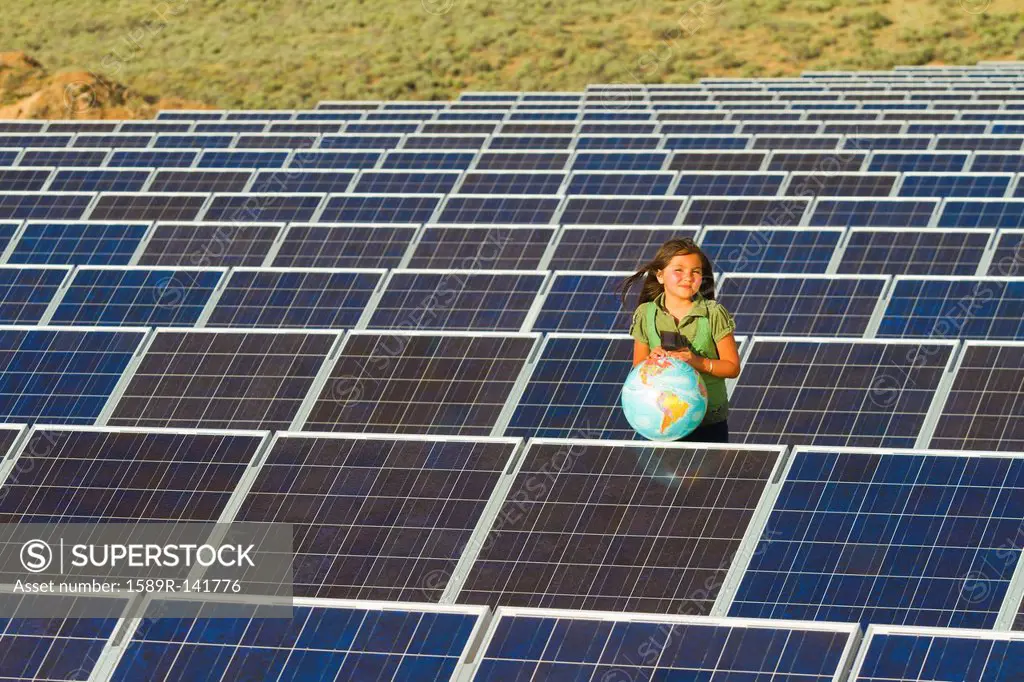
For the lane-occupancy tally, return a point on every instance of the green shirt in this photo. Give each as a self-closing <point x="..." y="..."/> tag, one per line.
<point x="720" y="324"/>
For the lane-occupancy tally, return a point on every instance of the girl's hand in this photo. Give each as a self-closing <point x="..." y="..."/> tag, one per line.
<point x="686" y="355"/>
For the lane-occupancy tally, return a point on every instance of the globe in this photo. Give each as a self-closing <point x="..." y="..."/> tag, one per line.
<point x="664" y="399"/>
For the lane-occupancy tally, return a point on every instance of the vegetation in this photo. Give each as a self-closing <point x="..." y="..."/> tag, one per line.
<point x="293" y="53"/>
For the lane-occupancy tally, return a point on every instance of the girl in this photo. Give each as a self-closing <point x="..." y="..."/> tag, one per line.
<point x="677" y="316"/>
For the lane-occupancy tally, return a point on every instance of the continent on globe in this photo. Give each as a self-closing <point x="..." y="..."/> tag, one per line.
<point x="672" y="409"/>
<point x="652" y="367"/>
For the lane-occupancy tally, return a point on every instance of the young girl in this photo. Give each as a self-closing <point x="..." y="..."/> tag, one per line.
<point x="677" y="316"/>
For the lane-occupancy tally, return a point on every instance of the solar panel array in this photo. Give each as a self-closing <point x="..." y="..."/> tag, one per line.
<point x="394" y="325"/>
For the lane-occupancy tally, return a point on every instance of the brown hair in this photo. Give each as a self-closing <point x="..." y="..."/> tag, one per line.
<point x="648" y="273"/>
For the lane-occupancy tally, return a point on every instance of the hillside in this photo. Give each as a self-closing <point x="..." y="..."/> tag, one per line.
<point x="277" y="53"/>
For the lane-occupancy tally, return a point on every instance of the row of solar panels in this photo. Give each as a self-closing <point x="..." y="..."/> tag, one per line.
<point x="595" y="183"/>
<point x="352" y="640"/>
<point x="868" y="306"/>
<point x="793" y="250"/>
<point x="939" y="393"/>
<point x="860" y="536"/>
<point x="821" y="163"/>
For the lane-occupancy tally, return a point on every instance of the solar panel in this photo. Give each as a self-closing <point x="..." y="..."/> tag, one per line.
<point x="371" y="128"/>
<point x="527" y="644"/>
<point x="745" y="212"/>
<point x="835" y="185"/>
<point x="903" y="654"/>
<point x="802" y="305"/>
<point x="885" y="537"/>
<point x="641" y="183"/>
<point x="98" y="180"/>
<point x="444" y="142"/>
<point x="1008" y="254"/>
<point x="982" y="213"/>
<point x="395" y="535"/>
<point x="624" y="142"/>
<point x="126" y="476"/>
<point x="147" y="206"/>
<point x="990" y="142"/>
<point x="511" y="182"/>
<point x="620" y="161"/>
<point x="597" y="210"/>
<point x="323" y="640"/>
<point x="508" y="247"/>
<point x="836" y="392"/>
<point x="582" y="302"/>
<point x="537" y="140"/>
<point x="942" y="307"/>
<point x="263" y="208"/>
<point x="428" y="160"/>
<point x="280" y="141"/>
<point x="920" y="251"/>
<point x="717" y="161"/>
<point x="873" y="212"/>
<point x="986" y="162"/>
<point x="984" y="407"/>
<point x="60" y="375"/>
<point x="773" y="128"/>
<point x="335" y="160"/>
<point x="209" y="244"/>
<point x="119" y="296"/>
<point x="420" y="382"/>
<point x="893" y="142"/>
<point x="351" y="141"/>
<point x="7" y="232"/>
<point x="370" y="208"/>
<point x="233" y="127"/>
<point x="610" y="248"/>
<point x="152" y="158"/>
<point x="486" y="209"/>
<point x="78" y="243"/>
<point x="551" y="161"/>
<point x="819" y="162"/>
<point x="405" y="182"/>
<point x="61" y="158"/>
<point x="42" y="206"/>
<point x="944" y="185"/>
<point x="343" y="246"/>
<point x="905" y="162"/>
<point x="279" y="298"/>
<point x="236" y="379"/>
<point x="194" y="141"/>
<point x="619" y="526"/>
<point x="26" y="292"/>
<point x="200" y="181"/>
<point x="794" y="250"/>
<point x="115" y="140"/>
<point x="730" y="184"/>
<point x="457" y="300"/>
<point x="42" y="140"/>
<point x="243" y="158"/>
<point x="313" y="127"/>
<point x="23" y="179"/>
<point x="8" y="156"/>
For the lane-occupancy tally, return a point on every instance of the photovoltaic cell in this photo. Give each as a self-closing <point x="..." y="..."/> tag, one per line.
<point x="620" y="183"/>
<point x="60" y="376"/>
<point x="40" y="206"/>
<point x="583" y="302"/>
<point x="905" y="162"/>
<point x="193" y="141"/>
<point x="98" y="180"/>
<point x="531" y="644"/>
<point x="971" y="185"/>
<point x="105" y="475"/>
<point x="873" y="212"/>
<point x="405" y="182"/>
<point x="1008" y="257"/>
<point x="730" y="184"/>
<point x="80" y="243"/>
<point x="147" y="207"/>
<point x="25" y="292"/>
<point x="910" y="654"/>
<point x="800" y="305"/>
<point x="994" y="162"/>
<point x="152" y="158"/>
<point x="820" y="392"/>
<point x="956" y="213"/>
<point x="550" y="161"/>
<point x="262" y="208"/>
<point x="428" y="160"/>
<point x="362" y="208"/>
<point x="875" y="251"/>
<point x="620" y="211"/>
<point x="242" y="158"/>
<point x="520" y="210"/>
<point x="834" y="185"/>
<point x="502" y="182"/>
<point x="891" y="538"/>
<point x="334" y="160"/>
<point x="23" y="179"/>
<point x="744" y="212"/>
<point x="492" y="248"/>
<point x="820" y="163"/>
<point x="611" y="248"/>
<point x="396" y="534"/>
<point x="985" y="407"/>
<point x="350" y="141"/>
<point x="136" y="296"/>
<point x="462" y="300"/>
<point x="194" y="379"/>
<point x="344" y="246"/>
<point x="694" y="142"/>
<point x="62" y="158"/>
<point x="620" y="161"/>
<point x="450" y="384"/>
<point x="770" y="250"/>
<point x="209" y="244"/>
<point x="968" y="308"/>
<point x="200" y="181"/>
<point x="279" y="298"/>
<point x="619" y="527"/>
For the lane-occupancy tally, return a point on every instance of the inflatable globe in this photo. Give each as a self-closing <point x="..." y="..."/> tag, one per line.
<point x="664" y="399"/>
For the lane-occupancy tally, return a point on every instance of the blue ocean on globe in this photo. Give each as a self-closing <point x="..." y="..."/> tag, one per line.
<point x="664" y="399"/>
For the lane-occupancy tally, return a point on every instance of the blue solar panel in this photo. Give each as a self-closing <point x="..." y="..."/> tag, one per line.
<point x="405" y="182"/>
<point x="619" y="183"/>
<point x="344" y="246"/>
<point x="23" y="179"/>
<point x="745" y="212"/>
<point x="535" y="645"/>
<point x="611" y="248"/>
<point x="7" y="157"/>
<point x="443" y="142"/>
<point x="257" y="208"/>
<point x="457" y="300"/>
<point x="971" y="185"/>
<point x="621" y="161"/>
<point x="956" y="213"/>
<point x="619" y="211"/>
<point x="905" y="162"/>
<point x="41" y="206"/>
<point x="98" y="180"/>
<point x="153" y="158"/>
<point x="1008" y="256"/>
<point x="996" y="162"/>
<point x="877" y="251"/>
<point x="194" y="141"/>
<point x="115" y="140"/>
<point x="25" y="292"/>
<point x="535" y="141"/>
<point x="730" y="184"/>
<point x="618" y="142"/>
<point x="511" y="182"/>
<point x="836" y="392"/>
<point x="873" y="213"/>
<point x="322" y="181"/>
<point x="347" y="641"/>
<point x="798" y="305"/>
<point x="239" y="158"/>
<point x="61" y="376"/>
<point x="363" y="208"/>
<point x="770" y="250"/>
<point x="84" y="158"/>
<point x="521" y="210"/>
<point x="136" y="296"/>
<point x="349" y="141"/>
<point x="429" y="160"/>
<point x="900" y="654"/>
<point x="975" y="308"/>
<point x="583" y="302"/>
<point x="83" y="243"/>
<point x="522" y="161"/>
<point x="334" y="160"/>
<point x="892" y="538"/>
<point x="279" y="298"/>
<point x="35" y="140"/>
<point x="894" y="142"/>
<point x="492" y="248"/>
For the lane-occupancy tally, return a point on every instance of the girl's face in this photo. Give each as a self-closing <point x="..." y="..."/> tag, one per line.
<point x="682" y="276"/>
